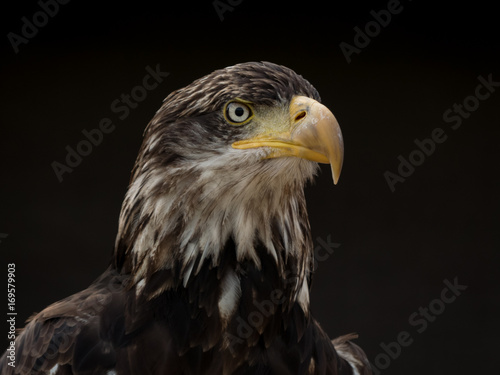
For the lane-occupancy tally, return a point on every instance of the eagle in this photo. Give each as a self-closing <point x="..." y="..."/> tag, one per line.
<point x="213" y="260"/>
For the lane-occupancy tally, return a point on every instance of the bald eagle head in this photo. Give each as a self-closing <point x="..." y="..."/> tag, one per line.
<point x="218" y="185"/>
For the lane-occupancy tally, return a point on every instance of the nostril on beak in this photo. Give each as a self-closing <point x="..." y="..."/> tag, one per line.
<point x="300" y="116"/>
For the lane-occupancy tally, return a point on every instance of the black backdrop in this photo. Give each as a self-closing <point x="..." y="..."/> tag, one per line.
<point x="393" y="250"/>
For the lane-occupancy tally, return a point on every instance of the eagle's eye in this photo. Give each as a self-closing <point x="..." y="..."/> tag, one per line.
<point x="237" y="113"/>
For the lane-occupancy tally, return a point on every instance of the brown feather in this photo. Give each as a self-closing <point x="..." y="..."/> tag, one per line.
<point x="207" y="239"/>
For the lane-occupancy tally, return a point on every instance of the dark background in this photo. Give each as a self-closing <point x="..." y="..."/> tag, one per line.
<point x="396" y="248"/>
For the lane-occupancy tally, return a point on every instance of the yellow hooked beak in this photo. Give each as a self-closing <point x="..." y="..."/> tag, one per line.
<point x="313" y="134"/>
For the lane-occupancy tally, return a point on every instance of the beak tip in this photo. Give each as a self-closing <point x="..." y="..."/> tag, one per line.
<point x="336" y="169"/>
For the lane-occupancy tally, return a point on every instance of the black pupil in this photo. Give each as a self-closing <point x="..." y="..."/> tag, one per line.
<point x="239" y="111"/>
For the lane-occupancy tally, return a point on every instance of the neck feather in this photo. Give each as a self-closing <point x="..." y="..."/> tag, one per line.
<point x="197" y="216"/>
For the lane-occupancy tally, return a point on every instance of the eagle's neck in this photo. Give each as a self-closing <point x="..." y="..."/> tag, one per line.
<point x="229" y="242"/>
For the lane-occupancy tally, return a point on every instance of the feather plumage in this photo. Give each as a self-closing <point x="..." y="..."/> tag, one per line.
<point x="213" y="256"/>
